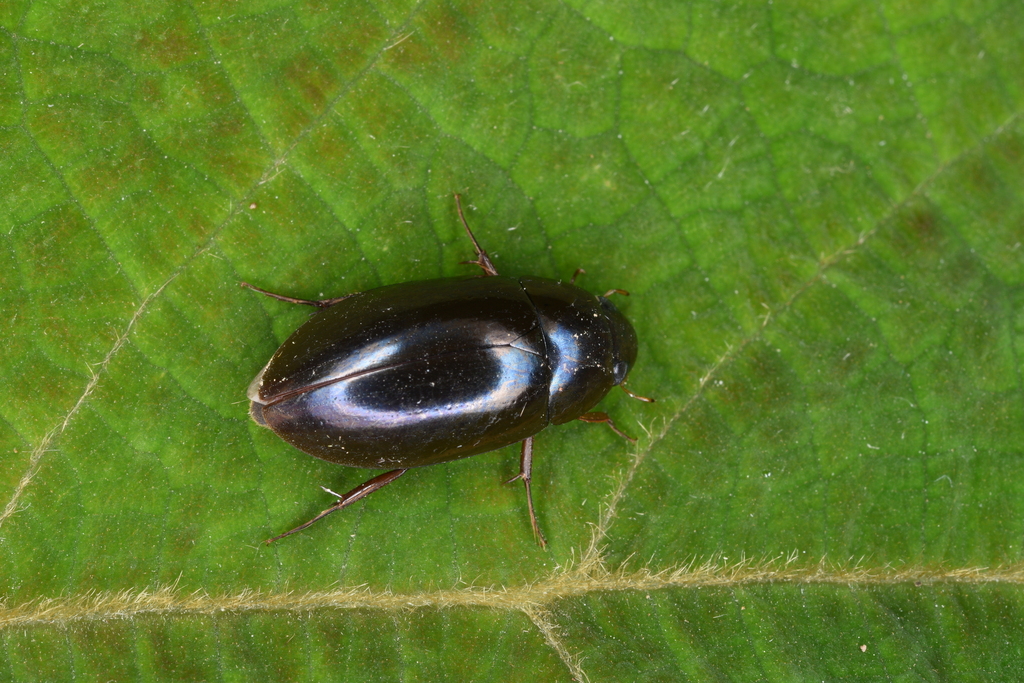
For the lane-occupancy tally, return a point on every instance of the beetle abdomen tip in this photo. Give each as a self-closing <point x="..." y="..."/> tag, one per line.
<point x="256" y="413"/>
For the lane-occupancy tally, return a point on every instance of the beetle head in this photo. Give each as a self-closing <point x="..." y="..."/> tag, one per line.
<point x="623" y="340"/>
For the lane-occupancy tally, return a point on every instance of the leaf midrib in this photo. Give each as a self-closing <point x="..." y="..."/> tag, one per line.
<point x="571" y="583"/>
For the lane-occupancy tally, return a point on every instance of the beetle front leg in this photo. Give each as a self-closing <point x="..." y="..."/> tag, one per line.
<point x="603" y="417"/>
<point x="622" y="385"/>
<point x="525" y="472"/>
<point x="359" y="492"/>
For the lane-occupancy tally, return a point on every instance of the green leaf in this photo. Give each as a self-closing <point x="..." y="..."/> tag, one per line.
<point x="817" y="209"/>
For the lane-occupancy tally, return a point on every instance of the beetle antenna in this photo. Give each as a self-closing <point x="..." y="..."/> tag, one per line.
<point x="482" y="259"/>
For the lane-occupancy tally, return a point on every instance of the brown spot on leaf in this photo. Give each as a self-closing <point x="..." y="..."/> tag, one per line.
<point x="168" y="43"/>
<point x="922" y="222"/>
<point x="447" y="32"/>
<point x="312" y="78"/>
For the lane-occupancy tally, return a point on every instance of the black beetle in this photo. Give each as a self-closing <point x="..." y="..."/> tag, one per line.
<point x="425" y="372"/>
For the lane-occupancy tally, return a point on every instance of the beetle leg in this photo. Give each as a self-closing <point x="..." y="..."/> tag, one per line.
<point x="525" y="472"/>
<point x="622" y="385"/>
<point x="322" y="303"/>
<point x="482" y="259"/>
<point x="579" y="271"/>
<point x="615" y="291"/>
<point x="359" y="492"/>
<point x="603" y="417"/>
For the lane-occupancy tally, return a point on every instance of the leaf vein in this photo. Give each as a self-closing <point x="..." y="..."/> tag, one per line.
<point x="36" y="458"/>
<point x="531" y="599"/>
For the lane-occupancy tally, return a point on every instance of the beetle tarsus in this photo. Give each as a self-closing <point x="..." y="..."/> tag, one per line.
<point x="319" y="303"/>
<point x="525" y="472"/>
<point x="482" y="259"/>
<point x="579" y="271"/>
<point x="359" y="492"/>
<point x="603" y="417"/>
<point x="615" y="291"/>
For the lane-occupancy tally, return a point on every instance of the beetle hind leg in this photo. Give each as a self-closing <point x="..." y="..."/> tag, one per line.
<point x="482" y="259"/>
<point x="359" y="492"/>
<point x="525" y="472"/>
<point x="319" y="303"/>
